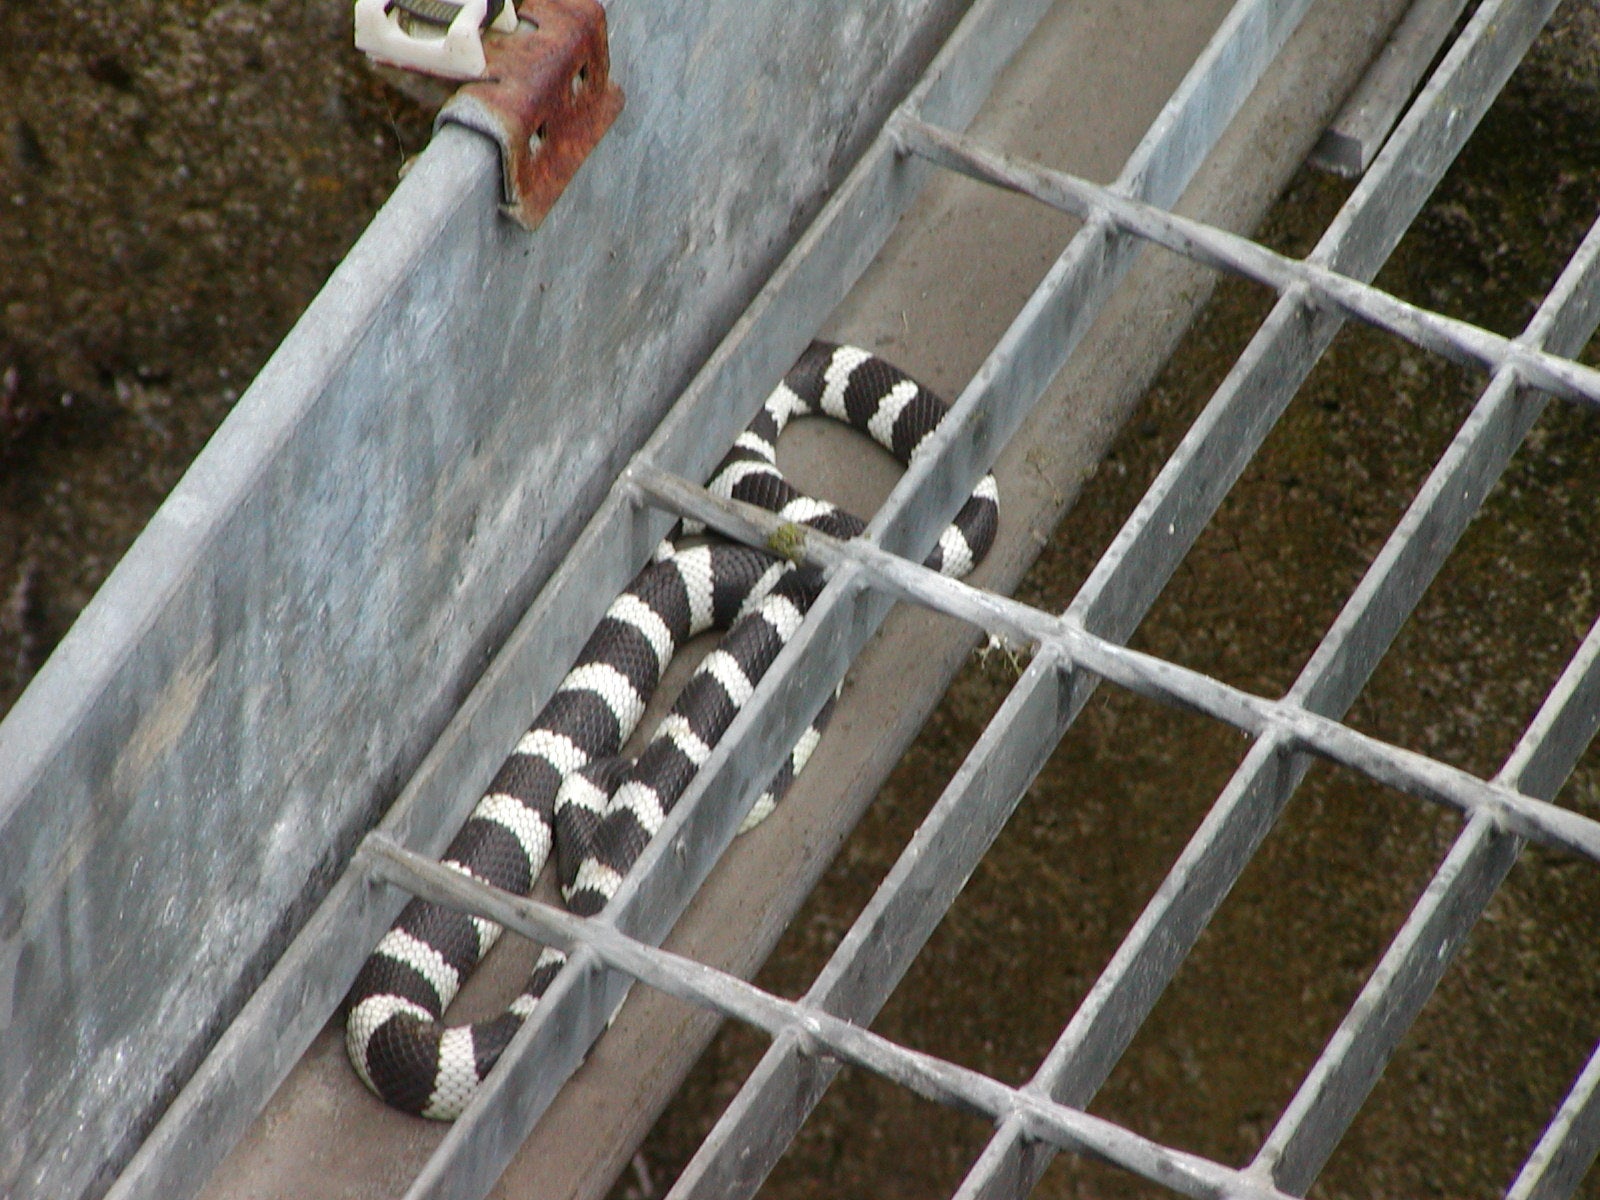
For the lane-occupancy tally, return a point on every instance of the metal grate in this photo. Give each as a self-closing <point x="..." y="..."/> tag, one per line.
<point x="1073" y="652"/>
<point x="813" y="1037"/>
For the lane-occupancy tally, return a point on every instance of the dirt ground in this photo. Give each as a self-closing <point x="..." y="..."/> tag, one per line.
<point x="170" y="205"/>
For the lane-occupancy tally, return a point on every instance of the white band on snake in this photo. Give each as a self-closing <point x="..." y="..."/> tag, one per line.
<point x="564" y="786"/>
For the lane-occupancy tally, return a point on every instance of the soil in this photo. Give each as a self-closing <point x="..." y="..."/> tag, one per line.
<point x="177" y="179"/>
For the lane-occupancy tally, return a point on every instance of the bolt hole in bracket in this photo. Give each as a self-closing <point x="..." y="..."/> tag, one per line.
<point x="538" y="81"/>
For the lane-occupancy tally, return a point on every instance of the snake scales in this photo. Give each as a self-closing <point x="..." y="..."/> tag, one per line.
<point x="564" y="786"/>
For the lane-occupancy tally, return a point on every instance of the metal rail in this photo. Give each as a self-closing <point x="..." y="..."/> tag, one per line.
<point x="1073" y="652"/>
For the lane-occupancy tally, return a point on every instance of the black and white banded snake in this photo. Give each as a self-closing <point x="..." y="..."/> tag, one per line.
<point x="564" y="786"/>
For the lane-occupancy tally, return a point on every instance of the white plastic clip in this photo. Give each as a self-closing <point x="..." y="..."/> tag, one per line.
<point x="437" y="37"/>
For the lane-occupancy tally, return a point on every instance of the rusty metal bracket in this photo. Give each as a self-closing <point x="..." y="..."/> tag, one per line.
<point x="546" y="100"/>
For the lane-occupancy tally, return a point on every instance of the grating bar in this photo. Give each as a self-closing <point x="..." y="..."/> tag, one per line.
<point x="874" y="955"/>
<point x="1064" y="305"/>
<point x="1356" y="134"/>
<point x="1230" y="430"/>
<point x="1408" y="974"/>
<point x="1563" y="727"/>
<point x="1337" y="1085"/>
<point x="1568" y="1147"/>
<point x="1460" y="341"/>
<point x="821" y="1032"/>
<point x="1327" y="1101"/>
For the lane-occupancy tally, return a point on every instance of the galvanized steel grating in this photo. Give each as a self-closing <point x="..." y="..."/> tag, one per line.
<point x="813" y="1037"/>
<point x="1073" y="651"/>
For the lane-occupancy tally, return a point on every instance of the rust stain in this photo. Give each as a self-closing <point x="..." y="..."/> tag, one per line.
<point x="547" y="99"/>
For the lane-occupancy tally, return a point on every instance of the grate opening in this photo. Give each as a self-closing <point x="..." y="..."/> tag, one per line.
<point x="1295" y="535"/>
<point x="1280" y="964"/>
<point x="1510" y="607"/>
<point x="1021" y="927"/>
<point x="1505" y="222"/>
<point x="1170" y="407"/>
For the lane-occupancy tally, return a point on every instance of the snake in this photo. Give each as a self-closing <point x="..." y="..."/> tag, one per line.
<point x="567" y="790"/>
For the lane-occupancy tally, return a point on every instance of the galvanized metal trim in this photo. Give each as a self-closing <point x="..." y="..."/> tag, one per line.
<point x="311" y="979"/>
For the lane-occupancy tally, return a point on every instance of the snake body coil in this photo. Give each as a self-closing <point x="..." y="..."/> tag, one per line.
<point x="564" y="785"/>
